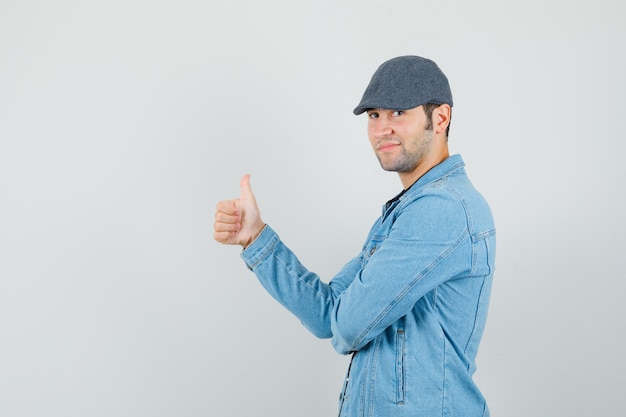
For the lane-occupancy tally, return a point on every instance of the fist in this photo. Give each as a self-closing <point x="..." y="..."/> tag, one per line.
<point x="238" y="221"/>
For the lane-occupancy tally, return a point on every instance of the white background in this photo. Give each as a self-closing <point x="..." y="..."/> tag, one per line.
<point x="123" y="123"/>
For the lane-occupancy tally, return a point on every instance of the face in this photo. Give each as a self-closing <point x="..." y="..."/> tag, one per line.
<point x="400" y="139"/>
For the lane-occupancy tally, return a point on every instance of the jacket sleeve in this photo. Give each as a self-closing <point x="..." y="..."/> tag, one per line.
<point x="302" y="292"/>
<point x="428" y="244"/>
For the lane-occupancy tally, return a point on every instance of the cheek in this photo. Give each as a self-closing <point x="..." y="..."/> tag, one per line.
<point x="371" y="136"/>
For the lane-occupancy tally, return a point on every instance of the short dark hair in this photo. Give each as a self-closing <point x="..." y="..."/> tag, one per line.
<point x="428" y="109"/>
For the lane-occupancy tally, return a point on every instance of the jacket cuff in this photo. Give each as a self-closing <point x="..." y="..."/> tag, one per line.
<point x="260" y="248"/>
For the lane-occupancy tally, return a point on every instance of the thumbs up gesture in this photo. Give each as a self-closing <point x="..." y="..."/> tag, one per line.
<point x="238" y="221"/>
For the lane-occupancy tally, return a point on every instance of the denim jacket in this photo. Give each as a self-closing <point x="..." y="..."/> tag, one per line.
<point x="410" y="308"/>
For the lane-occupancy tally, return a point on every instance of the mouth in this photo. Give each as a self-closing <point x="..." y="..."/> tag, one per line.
<point x="386" y="146"/>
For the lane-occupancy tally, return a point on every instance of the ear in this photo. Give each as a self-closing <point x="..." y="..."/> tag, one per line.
<point x="441" y="118"/>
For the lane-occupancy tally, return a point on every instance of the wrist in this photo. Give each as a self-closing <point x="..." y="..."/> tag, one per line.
<point x="255" y="235"/>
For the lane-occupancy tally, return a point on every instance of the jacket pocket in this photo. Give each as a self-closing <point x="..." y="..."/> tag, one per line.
<point x="400" y="371"/>
<point x="372" y="246"/>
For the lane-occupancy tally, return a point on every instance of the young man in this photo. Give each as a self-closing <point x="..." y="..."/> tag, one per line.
<point x="411" y="306"/>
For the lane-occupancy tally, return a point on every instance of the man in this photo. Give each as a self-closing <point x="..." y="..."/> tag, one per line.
<point x="411" y="306"/>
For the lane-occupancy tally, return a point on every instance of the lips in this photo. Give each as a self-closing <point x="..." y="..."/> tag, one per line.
<point x="386" y="146"/>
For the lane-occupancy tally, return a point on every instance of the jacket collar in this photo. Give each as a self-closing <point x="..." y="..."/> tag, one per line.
<point x="447" y="166"/>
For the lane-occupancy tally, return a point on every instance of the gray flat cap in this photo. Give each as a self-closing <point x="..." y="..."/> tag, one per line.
<point x="405" y="82"/>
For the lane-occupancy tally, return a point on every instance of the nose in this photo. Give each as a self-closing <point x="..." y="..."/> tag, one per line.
<point x="380" y="127"/>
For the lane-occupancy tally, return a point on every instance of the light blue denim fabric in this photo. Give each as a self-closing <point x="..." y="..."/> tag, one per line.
<point x="411" y="307"/>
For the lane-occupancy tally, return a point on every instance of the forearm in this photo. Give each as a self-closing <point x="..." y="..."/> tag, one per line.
<point x="283" y="276"/>
<point x="417" y="255"/>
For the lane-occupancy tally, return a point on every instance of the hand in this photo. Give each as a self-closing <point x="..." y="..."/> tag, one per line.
<point x="238" y="222"/>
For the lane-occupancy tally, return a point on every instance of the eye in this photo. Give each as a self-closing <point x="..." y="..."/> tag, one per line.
<point x="397" y="113"/>
<point x="372" y="114"/>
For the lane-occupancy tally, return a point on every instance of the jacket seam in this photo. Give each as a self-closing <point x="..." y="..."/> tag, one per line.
<point x="297" y="277"/>
<point x="475" y="321"/>
<point x="261" y="254"/>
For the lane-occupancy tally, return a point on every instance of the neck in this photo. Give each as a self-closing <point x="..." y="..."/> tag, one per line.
<point x="433" y="158"/>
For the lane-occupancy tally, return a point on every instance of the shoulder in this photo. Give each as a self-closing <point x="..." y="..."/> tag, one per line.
<point x="433" y="211"/>
<point x="444" y="193"/>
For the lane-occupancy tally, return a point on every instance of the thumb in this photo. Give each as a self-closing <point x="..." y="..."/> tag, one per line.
<point x="246" y="190"/>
